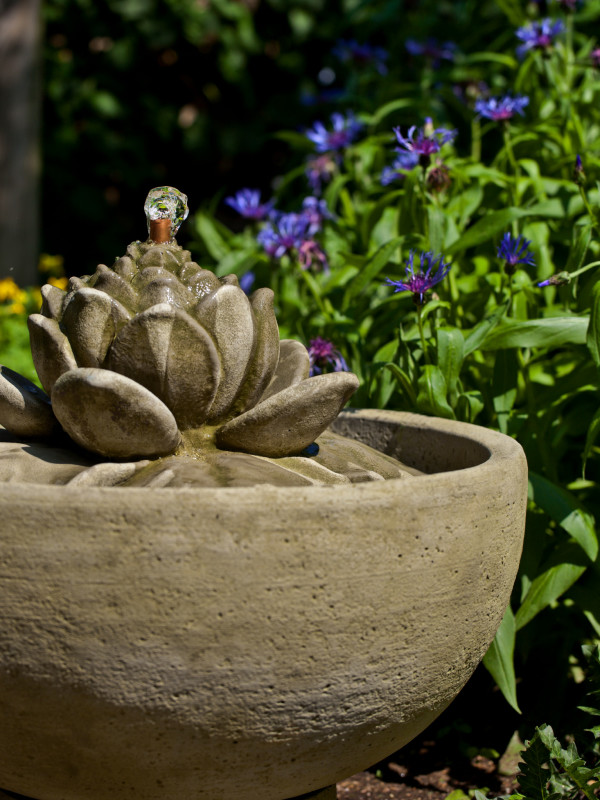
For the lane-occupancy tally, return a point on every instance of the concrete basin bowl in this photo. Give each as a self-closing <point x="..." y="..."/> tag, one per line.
<point x="250" y="643"/>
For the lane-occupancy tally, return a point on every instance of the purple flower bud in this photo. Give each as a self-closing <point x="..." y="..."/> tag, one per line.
<point x="344" y="131"/>
<point x="514" y="251"/>
<point x="432" y="270"/>
<point x="501" y="108"/>
<point x="323" y="354"/>
<point x="247" y="203"/>
<point x="362" y="55"/>
<point x="538" y="35"/>
<point x="425" y="141"/>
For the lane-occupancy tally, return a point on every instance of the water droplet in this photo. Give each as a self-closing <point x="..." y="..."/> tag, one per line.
<point x="166" y="202"/>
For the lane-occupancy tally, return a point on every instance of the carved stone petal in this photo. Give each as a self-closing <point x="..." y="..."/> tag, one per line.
<point x="112" y="415"/>
<point x="266" y="351"/>
<point x="125" y="268"/>
<point x="170" y="354"/>
<point x="230" y="280"/>
<point x="227" y="316"/>
<point x="25" y="409"/>
<point x="115" y="286"/>
<point x="160" y="256"/>
<point x="290" y="420"/>
<point x="91" y="320"/>
<point x="52" y="302"/>
<point x="165" y="290"/>
<point x="50" y="349"/>
<point x="201" y="282"/>
<point x="293" y="367"/>
<point x="108" y="473"/>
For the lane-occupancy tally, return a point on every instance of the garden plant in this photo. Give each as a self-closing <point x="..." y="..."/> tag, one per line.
<point x="435" y="230"/>
<point x="442" y="244"/>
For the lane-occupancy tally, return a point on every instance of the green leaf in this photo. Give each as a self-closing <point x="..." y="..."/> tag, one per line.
<point x="481" y="331"/>
<point x="563" y="508"/>
<point x="404" y="382"/>
<point x="211" y="236"/>
<point x="593" y="331"/>
<point x="551" y="584"/>
<point x="486" y="228"/>
<point x="431" y="397"/>
<point x="504" y="385"/>
<point x="580" y="777"/>
<point x="547" y="332"/>
<point x="494" y="58"/>
<point x="450" y="356"/>
<point x="469" y="405"/>
<point x="389" y="108"/>
<point x="499" y="659"/>
<point x="437" y="228"/>
<point x="373" y="267"/>
<point x="582" y="236"/>
<point x="534" y="775"/>
<point x="590" y="439"/>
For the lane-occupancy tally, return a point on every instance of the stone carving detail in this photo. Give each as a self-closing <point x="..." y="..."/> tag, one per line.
<point x="136" y="359"/>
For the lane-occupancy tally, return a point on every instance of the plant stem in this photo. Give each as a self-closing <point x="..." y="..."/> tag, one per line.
<point x="314" y="290"/>
<point x="422" y="333"/>
<point x="475" y="140"/>
<point x="513" y="162"/>
<point x="589" y="209"/>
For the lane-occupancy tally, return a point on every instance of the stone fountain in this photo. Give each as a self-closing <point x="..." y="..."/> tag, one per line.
<point x="214" y="585"/>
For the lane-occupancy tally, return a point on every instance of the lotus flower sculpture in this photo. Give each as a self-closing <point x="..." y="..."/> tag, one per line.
<point x="156" y="350"/>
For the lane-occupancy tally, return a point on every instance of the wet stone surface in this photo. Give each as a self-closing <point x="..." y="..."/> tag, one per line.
<point x="199" y="463"/>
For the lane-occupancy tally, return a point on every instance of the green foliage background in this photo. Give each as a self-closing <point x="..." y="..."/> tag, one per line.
<point x="207" y="96"/>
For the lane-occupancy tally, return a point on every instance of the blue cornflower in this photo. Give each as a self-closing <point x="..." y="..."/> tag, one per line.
<point x="345" y="130"/>
<point x="315" y="211"/>
<point x="349" y="50"/>
<point x="320" y="170"/>
<point x="247" y="281"/>
<point x="323" y="354"/>
<point x="501" y="108"/>
<point x="432" y="49"/>
<point x="432" y="270"/>
<point x="425" y="141"/>
<point x="311" y="254"/>
<point x="282" y="234"/>
<point x="514" y="251"/>
<point x="538" y="35"/>
<point x="247" y="203"/>
<point x="403" y="163"/>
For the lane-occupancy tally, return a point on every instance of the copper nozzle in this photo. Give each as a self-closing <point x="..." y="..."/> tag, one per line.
<point x="160" y="230"/>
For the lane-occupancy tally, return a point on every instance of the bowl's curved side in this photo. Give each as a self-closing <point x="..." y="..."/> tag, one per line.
<point x="246" y="643"/>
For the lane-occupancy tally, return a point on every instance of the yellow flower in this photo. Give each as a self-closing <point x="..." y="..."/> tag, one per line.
<point x="17" y="308"/>
<point x="35" y="296"/>
<point x="61" y="283"/>
<point x="9" y="290"/>
<point x="52" y="265"/>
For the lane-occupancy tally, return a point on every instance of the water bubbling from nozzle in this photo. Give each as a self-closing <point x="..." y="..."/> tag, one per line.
<point x="165" y="208"/>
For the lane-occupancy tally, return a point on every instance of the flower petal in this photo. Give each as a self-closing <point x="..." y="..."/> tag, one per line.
<point x="50" y="348"/>
<point x="110" y="414"/>
<point x="290" y="420"/>
<point x="293" y="367"/>
<point x="25" y="409"/>
<point x="91" y="320"/>
<point x="170" y="354"/>
<point x="227" y="316"/>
